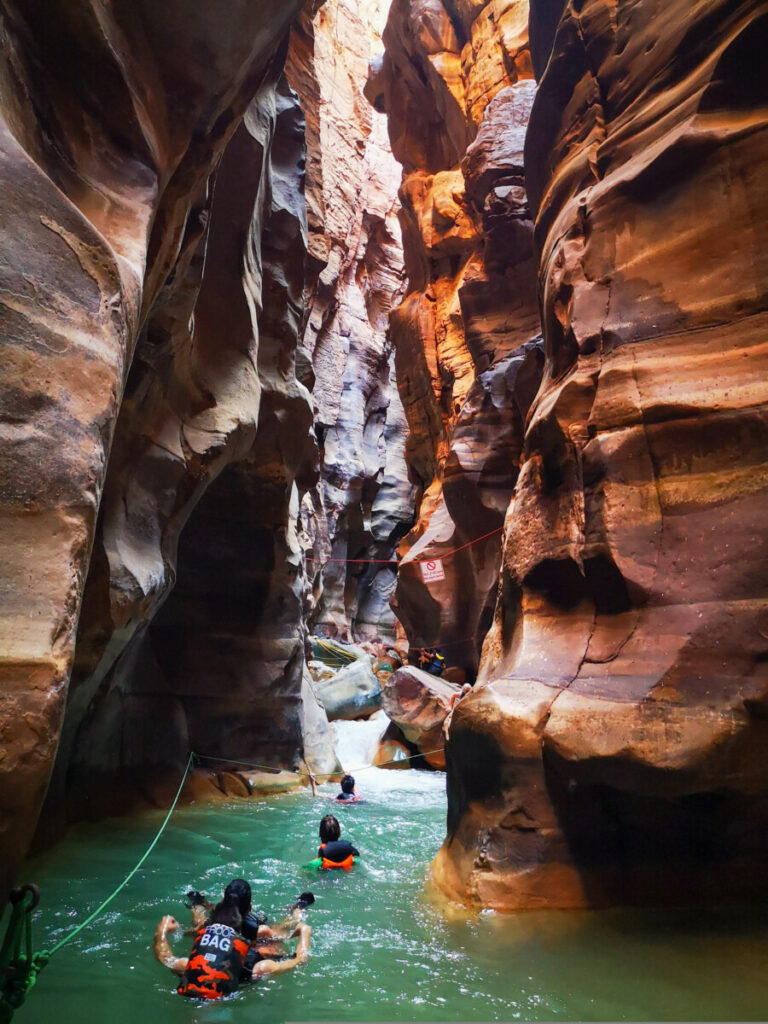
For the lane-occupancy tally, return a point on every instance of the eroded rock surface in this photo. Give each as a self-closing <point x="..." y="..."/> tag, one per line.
<point x="113" y="118"/>
<point x="419" y="703"/>
<point x="457" y="86"/>
<point x="225" y="653"/>
<point x="352" y="692"/>
<point x="614" y="749"/>
<point x="363" y="503"/>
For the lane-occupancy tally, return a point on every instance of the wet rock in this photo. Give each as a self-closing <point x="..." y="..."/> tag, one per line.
<point x="418" y="703"/>
<point x="393" y="750"/>
<point x="319" y="671"/>
<point x="319" y="752"/>
<point x="353" y="692"/>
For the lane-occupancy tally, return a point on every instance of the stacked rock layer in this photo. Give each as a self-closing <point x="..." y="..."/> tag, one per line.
<point x="456" y="83"/>
<point x="614" y="751"/>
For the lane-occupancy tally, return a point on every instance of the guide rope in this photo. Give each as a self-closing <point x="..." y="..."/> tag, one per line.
<point x="19" y="967"/>
<point x="414" y="561"/>
<point x="129" y="876"/>
<point x="316" y="775"/>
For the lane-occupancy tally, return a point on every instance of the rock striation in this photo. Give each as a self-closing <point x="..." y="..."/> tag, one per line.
<point x="212" y="439"/>
<point x="612" y="751"/>
<point x="362" y="505"/>
<point x="419" y="703"/>
<point x="456" y="84"/>
<point x="113" y="119"/>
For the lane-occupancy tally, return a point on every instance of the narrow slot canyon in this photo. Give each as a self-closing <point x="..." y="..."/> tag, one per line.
<point x="383" y="388"/>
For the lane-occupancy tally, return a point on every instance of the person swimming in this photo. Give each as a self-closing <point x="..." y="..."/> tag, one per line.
<point x="233" y="945"/>
<point x="334" y="852"/>
<point x="347" y="794"/>
<point x="215" y="963"/>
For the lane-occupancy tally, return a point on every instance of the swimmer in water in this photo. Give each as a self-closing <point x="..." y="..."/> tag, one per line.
<point x="347" y="794"/>
<point x="334" y="852"/>
<point x="221" y="956"/>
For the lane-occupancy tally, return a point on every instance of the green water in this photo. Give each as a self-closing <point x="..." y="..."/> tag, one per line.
<point x="379" y="951"/>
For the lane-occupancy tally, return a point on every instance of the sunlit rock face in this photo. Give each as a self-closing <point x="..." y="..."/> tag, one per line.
<point x="113" y="117"/>
<point x="615" y="749"/>
<point x="456" y="84"/>
<point x="363" y="503"/>
<point x="419" y="703"/>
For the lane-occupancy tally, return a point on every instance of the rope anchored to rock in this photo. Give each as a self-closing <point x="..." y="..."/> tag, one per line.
<point x="413" y="561"/>
<point x="316" y="775"/>
<point x="19" y="967"/>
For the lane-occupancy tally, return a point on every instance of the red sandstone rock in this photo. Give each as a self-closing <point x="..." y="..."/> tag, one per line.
<point x="418" y="703"/>
<point x="456" y="85"/>
<point x="393" y="752"/>
<point x="224" y="655"/>
<point x="113" y="118"/>
<point x="613" y="752"/>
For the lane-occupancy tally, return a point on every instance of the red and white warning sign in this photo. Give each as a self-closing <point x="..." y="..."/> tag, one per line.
<point x="432" y="570"/>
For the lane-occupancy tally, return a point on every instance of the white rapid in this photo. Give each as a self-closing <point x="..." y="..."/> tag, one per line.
<point x="356" y="742"/>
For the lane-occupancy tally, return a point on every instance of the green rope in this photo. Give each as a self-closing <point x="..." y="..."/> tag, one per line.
<point x="129" y="876"/>
<point x="18" y="970"/>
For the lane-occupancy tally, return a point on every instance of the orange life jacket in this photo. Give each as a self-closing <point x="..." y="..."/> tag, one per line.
<point x="345" y="865"/>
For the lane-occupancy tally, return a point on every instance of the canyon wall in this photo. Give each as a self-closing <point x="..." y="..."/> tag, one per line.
<point x="614" y="749"/>
<point x="112" y="121"/>
<point x="191" y="635"/>
<point x="186" y="487"/>
<point x="456" y="84"/>
<point x="362" y="505"/>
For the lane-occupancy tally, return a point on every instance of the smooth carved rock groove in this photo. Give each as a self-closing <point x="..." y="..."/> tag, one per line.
<point x="457" y="87"/>
<point x="112" y="122"/>
<point x="224" y="653"/>
<point x="614" y="751"/>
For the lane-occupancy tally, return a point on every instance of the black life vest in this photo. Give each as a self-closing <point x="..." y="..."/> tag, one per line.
<point x="215" y="963"/>
<point x="337" y="854"/>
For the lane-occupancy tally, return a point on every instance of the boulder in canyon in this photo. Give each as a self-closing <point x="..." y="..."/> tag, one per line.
<point x="353" y="692"/>
<point x="419" y="703"/>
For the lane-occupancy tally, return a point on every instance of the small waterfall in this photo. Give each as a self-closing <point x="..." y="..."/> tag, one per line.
<point x="356" y="742"/>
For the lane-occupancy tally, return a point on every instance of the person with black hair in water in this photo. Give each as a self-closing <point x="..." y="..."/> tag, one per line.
<point x="221" y="957"/>
<point x="347" y="794"/>
<point x="334" y="852"/>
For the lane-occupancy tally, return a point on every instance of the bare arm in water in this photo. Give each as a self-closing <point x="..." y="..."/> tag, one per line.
<point x="285" y="930"/>
<point x="162" y="948"/>
<point x="270" y="967"/>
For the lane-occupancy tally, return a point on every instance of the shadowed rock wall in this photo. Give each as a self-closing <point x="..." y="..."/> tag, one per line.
<point x="456" y="84"/>
<point x="363" y="503"/>
<point x="113" y="118"/>
<point x="213" y="420"/>
<point x="615" y="751"/>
